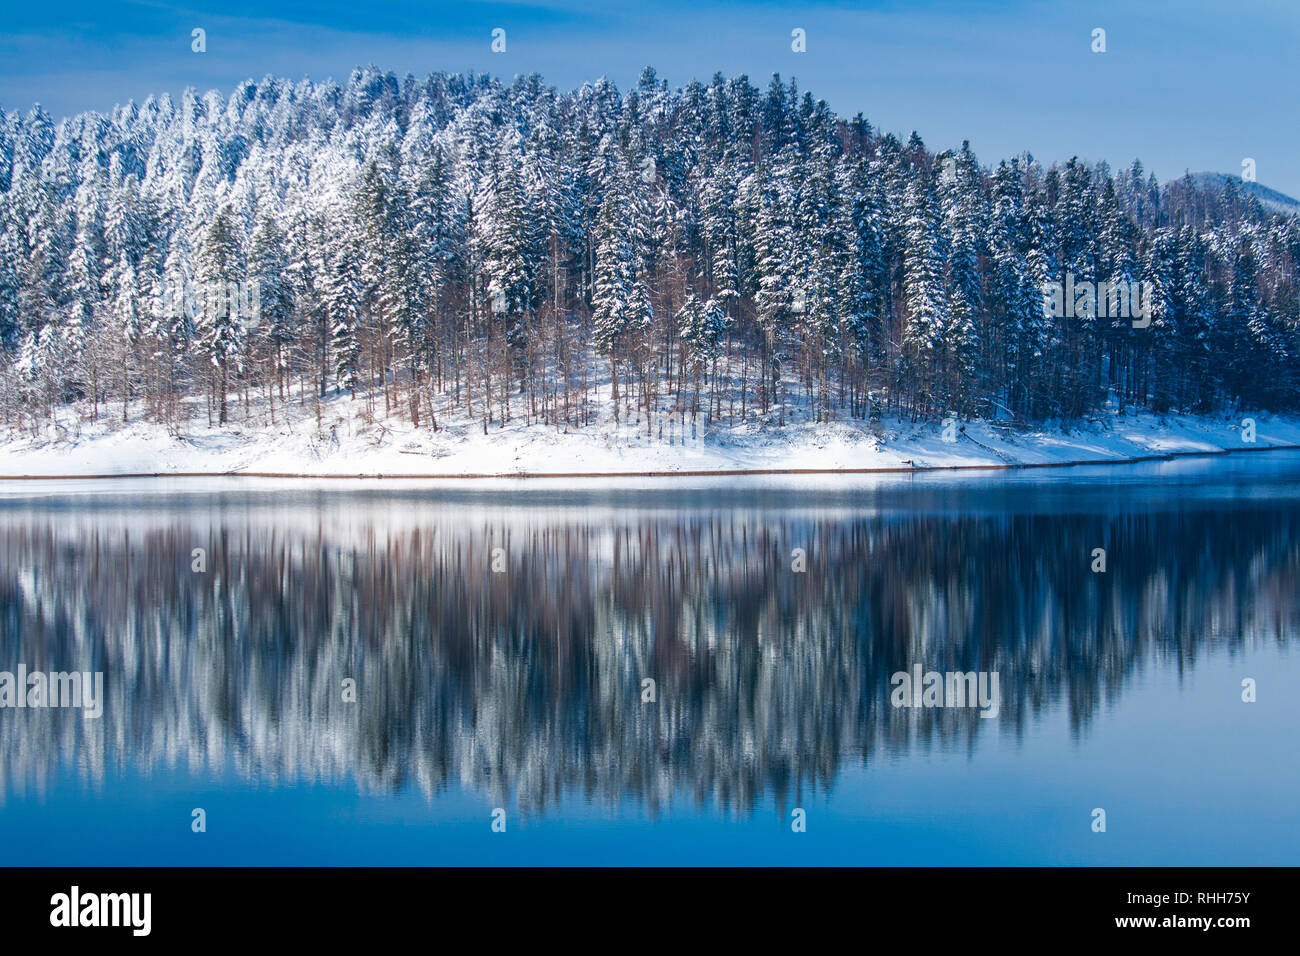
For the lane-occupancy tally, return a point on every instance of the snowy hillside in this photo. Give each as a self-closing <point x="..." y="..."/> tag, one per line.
<point x="394" y="262"/>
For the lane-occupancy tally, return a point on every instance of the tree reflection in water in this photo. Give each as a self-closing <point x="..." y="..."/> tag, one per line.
<point x="527" y="684"/>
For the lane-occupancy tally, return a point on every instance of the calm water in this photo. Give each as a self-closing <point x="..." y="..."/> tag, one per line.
<point x="522" y="689"/>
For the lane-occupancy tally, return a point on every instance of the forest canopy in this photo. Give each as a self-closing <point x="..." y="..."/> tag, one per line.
<point x="456" y="246"/>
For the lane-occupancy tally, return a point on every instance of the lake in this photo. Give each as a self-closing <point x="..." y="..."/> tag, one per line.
<point x="693" y="671"/>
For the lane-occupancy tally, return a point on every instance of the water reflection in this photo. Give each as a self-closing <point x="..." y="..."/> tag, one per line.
<point x="527" y="684"/>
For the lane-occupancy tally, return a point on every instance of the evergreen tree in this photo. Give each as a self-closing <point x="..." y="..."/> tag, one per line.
<point x="268" y="267"/>
<point x="217" y="328"/>
<point x="924" y="299"/>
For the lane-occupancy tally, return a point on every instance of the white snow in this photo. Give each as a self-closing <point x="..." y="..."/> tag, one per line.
<point x="345" y="444"/>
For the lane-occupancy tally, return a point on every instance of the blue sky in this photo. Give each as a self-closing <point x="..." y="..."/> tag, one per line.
<point x="1184" y="84"/>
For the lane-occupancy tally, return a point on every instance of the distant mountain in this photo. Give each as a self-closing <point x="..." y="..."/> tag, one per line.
<point x="1270" y="199"/>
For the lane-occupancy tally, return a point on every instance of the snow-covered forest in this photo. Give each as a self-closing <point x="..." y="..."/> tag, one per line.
<point x="456" y="247"/>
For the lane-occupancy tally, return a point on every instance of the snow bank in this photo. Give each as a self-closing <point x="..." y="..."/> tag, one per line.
<point x="345" y="445"/>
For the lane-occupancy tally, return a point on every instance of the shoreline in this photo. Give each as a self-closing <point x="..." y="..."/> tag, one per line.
<point x="710" y="473"/>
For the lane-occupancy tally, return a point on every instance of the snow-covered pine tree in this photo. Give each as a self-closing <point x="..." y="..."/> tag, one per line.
<point x="621" y="307"/>
<point x="924" y="348"/>
<point x="268" y="267"/>
<point x="779" y="295"/>
<point x="218" y="332"/>
<point x="964" y="217"/>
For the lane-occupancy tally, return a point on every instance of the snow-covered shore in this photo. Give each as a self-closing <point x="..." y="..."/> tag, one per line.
<point x="345" y="445"/>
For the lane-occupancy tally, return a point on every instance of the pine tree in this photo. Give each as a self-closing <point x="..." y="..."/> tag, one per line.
<point x="268" y="267"/>
<point x="217" y="329"/>
<point x="924" y="298"/>
<point x="510" y="255"/>
<point x="779" y="295"/>
<point x="621" y="301"/>
<point x="341" y="296"/>
<point x="961" y="203"/>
